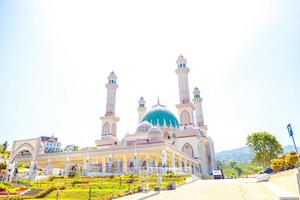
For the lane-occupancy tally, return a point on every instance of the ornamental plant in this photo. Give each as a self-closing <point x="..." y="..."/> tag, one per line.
<point x="291" y="158"/>
<point x="276" y="164"/>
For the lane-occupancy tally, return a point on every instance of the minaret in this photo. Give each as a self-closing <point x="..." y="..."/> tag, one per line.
<point x="111" y="94"/>
<point x="183" y="80"/>
<point x="198" y="110"/>
<point x="109" y="121"/>
<point x="141" y="109"/>
<point x="185" y="108"/>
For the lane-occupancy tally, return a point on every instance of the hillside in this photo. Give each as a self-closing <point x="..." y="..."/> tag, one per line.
<point x="243" y="154"/>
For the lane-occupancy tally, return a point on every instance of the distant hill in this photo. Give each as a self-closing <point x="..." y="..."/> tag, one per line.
<point x="243" y="154"/>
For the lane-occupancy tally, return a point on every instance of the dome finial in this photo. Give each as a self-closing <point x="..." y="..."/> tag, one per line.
<point x="158" y="101"/>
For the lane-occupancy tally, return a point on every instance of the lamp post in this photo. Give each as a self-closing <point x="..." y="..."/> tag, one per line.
<point x="291" y="134"/>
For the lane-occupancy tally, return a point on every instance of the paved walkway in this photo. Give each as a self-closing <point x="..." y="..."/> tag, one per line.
<point x="236" y="189"/>
<point x="137" y="196"/>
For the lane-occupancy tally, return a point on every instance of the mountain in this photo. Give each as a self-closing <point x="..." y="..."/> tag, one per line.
<point x="243" y="154"/>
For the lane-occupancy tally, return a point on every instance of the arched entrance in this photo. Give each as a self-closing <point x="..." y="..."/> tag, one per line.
<point x="23" y="152"/>
<point x="188" y="149"/>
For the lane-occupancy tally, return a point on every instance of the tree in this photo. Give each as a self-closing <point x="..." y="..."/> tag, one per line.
<point x="5" y="145"/>
<point x="264" y="147"/>
<point x="71" y="147"/>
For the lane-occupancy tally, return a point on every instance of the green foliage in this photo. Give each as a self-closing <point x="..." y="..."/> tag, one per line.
<point x="234" y="169"/>
<point x="3" y="187"/>
<point x="264" y="147"/>
<point x="3" y="166"/>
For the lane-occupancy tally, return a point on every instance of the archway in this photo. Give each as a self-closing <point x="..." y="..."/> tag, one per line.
<point x="24" y="152"/>
<point x="188" y="149"/>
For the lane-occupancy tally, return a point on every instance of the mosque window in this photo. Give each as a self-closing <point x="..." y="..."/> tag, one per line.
<point x="188" y="149"/>
<point x="106" y="128"/>
<point x="185" y="117"/>
<point x="183" y="65"/>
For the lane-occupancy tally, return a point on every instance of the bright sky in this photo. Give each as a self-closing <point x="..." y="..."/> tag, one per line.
<point x="55" y="57"/>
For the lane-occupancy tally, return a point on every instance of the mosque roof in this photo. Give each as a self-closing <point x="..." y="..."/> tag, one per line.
<point x="159" y="115"/>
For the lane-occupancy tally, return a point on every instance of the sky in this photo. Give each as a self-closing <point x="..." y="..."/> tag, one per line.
<point x="55" y="56"/>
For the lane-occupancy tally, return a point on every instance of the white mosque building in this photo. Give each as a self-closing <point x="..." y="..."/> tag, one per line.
<point x="161" y="141"/>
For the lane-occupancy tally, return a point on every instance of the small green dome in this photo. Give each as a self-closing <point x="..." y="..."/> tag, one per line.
<point x="160" y="116"/>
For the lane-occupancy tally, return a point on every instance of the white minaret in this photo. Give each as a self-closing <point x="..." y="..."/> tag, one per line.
<point x="198" y="109"/>
<point x="185" y="108"/>
<point x="141" y="109"/>
<point x="109" y="121"/>
<point x="183" y="80"/>
<point x="111" y="94"/>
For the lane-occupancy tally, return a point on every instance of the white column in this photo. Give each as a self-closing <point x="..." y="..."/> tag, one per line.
<point x="49" y="167"/>
<point x="124" y="165"/>
<point x="103" y="165"/>
<point x="136" y="162"/>
<point x="173" y="160"/>
<point x="87" y="164"/>
<point x="164" y="158"/>
<point x="110" y="162"/>
<point x="32" y="170"/>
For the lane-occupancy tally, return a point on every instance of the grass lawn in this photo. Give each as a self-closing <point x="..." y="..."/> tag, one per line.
<point x="100" y="188"/>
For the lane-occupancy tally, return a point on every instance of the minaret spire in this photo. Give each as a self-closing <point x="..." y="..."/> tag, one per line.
<point x="141" y="109"/>
<point x="198" y="110"/>
<point x="185" y="107"/>
<point x="109" y="120"/>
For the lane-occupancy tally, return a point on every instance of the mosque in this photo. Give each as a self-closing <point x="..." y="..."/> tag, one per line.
<point x="161" y="142"/>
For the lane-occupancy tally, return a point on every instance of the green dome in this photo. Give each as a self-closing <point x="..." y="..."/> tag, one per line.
<point x="160" y="116"/>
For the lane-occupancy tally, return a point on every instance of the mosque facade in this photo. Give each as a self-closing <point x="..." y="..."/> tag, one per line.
<point x="161" y="141"/>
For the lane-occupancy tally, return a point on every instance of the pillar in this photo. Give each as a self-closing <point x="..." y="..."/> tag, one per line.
<point x="110" y="163"/>
<point x="103" y="165"/>
<point x="136" y="162"/>
<point x="164" y="158"/>
<point x="124" y="165"/>
<point x="49" y="167"/>
<point x="87" y="164"/>
<point x="67" y="167"/>
<point x="32" y="170"/>
<point x="173" y="161"/>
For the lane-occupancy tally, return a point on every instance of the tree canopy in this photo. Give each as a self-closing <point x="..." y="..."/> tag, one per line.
<point x="264" y="147"/>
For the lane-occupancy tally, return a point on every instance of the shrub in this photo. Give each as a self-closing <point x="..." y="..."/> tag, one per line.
<point x="3" y="187"/>
<point x="291" y="158"/>
<point x="72" y="174"/>
<point x="51" y="178"/>
<point x="276" y="164"/>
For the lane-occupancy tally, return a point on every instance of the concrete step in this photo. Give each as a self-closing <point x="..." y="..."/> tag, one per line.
<point x="280" y="193"/>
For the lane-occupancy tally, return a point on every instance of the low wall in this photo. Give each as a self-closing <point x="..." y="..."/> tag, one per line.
<point x="288" y="180"/>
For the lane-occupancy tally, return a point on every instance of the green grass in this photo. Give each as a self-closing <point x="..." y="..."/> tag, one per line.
<point x="102" y="188"/>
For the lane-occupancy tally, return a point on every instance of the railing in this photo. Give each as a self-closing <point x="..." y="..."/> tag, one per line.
<point x="146" y="170"/>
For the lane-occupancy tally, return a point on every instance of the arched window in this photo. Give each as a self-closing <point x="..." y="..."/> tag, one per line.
<point x="188" y="149"/>
<point x="114" y="129"/>
<point x="105" y="128"/>
<point x="185" y="117"/>
<point x="166" y="135"/>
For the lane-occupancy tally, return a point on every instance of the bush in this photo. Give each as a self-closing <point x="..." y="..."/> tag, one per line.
<point x="72" y="174"/>
<point x="276" y="164"/>
<point x="291" y="158"/>
<point x="3" y="187"/>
